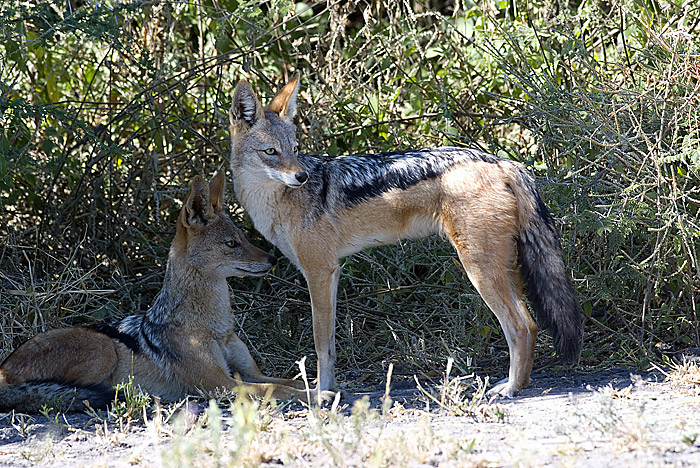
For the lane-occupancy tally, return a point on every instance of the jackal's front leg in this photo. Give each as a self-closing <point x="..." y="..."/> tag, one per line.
<point x="323" y="287"/>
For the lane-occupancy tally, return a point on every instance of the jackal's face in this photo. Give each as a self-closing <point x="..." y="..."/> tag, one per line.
<point x="207" y="240"/>
<point x="263" y="142"/>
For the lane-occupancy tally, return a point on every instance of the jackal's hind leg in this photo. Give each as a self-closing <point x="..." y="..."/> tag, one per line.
<point x="488" y="254"/>
<point x="76" y="355"/>
<point x="505" y="298"/>
<point x="503" y="294"/>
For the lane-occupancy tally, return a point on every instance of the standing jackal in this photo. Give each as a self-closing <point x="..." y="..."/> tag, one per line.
<point x="317" y="210"/>
<point x="184" y="343"/>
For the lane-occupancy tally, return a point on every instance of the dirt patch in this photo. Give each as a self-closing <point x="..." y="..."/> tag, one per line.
<point x="612" y="418"/>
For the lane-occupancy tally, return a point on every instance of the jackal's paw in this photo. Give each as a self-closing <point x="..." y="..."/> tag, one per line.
<point x="327" y="396"/>
<point x="324" y="397"/>
<point x="504" y="388"/>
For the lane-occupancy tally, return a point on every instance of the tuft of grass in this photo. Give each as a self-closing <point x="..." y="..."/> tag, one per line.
<point x="685" y="374"/>
<point x="215" y="439"/>
<point x="22" y="423"/>
<point x="130" y="406"/>
<point x="464" y="396"/>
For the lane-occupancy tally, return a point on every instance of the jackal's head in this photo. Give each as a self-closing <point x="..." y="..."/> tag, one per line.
<point x="207" y="240"/>
<point x="263" y="142"/>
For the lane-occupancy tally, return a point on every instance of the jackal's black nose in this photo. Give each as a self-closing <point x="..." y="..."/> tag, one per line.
<point x="272" y="259"/>
<point x="301" y="176"/>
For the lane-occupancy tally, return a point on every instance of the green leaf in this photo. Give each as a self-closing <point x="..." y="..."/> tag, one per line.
<point x="48" y="146"/>
<point x="677" y="244"/>
<point x="433" y="52"/>
<point x="4" y="146"/>
<point x="588" y="308"/>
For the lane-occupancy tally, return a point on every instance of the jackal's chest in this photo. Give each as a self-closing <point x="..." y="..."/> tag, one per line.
<point x="271" y="217"/>
<point x="277" y="233"/>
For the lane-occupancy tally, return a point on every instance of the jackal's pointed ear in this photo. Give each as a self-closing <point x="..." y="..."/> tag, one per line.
<point x="246" y="107"/>
<point x="285" y="101"/>
<point x="197" y="209"/>
<point x="217" y="187"/>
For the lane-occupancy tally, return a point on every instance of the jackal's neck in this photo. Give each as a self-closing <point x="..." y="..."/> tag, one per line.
<point x="187" y="294"/>
<point x="251" y="189"/>
<point x="260" y="197"/>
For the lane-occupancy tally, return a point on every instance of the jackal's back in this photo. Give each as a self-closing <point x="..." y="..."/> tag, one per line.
<point x="356" y="178"/>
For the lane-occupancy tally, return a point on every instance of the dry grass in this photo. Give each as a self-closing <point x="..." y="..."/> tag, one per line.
<point x="686" y="376"/>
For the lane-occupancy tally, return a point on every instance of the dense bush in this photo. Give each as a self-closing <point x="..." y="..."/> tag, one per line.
<point x="108" y="109"/>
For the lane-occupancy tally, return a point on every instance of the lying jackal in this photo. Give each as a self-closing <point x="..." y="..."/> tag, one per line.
<point x="317" y="210"/>
<point x="186" y="342"/>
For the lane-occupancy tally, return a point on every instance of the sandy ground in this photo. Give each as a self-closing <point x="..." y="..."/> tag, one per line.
<point x="612" y="418"/>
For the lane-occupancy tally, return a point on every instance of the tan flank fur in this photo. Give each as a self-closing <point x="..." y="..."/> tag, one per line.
<point x="184" y="344"/>
<point x="318" y="210"/>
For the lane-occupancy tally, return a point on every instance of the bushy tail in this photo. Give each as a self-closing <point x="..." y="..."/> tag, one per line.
<point x="32" y="397"/>
<point x="542" y="266"/>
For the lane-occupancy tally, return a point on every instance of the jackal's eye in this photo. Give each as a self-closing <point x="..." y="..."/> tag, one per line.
<point x="271" y="151"/>
<point x="232" y="244"/>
